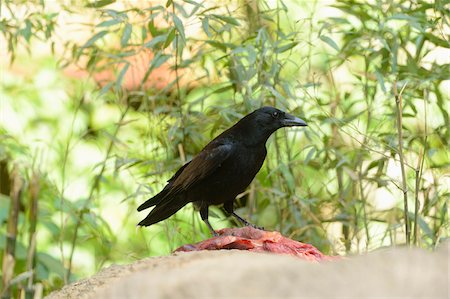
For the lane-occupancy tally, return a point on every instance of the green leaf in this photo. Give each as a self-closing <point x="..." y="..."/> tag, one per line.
<point x="197" y="6"/>
<point x="380" y="80"/>
<point x="286" y="47"/>
<point x="108" y="23"/>
<point x="100" y="3"/>
<point x="156" y="41"/>
<point x="205" y="26"/>
<point x="93" y="39"/>
<point x="26" y="32"/>
<point x="157" y="61"/>
<point x="424" y="227"/>
<point x="126" y="34"/>
<point x="192" y="2"/>
<point x="401" y="16"/>
<point x="105" y="88"/>
<point x="143" y="33"/>
<point x="330" y="42"/>
<point x="152" y="28"/>
<point x="180" y="28"/>
<point x="227" y="19"/>
<point x="113" y="13"/>
<point x="310" y="155"/>
<point x="170" y="38"/>
<point x="437" y="41"/>
<point x="50" y="263"/>
<point x="121" y="75"/>
<point x="218" y="45"/>
<point x="168" y="3"/>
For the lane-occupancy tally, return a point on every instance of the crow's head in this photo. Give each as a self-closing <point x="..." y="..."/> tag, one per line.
<point x="272" y="119"/>
<point x="256" y="127"/>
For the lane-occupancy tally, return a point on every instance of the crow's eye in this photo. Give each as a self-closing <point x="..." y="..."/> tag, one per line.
<point x="275" y="114"/>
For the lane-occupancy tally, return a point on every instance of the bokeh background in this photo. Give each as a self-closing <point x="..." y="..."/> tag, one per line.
<point x="102" y="101"/>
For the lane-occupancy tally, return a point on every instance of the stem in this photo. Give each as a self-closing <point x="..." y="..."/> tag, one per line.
<point x="360" y="153"/>
<point x="364" y="202"/>
<point x="416" y="200"/>
<point x="398" y="102"/>
<point x="281" y="205"/>
<point x="63" y="183"/>
<point x="177" y="80"/>
<point x="419" y="171"/>
<point x="94" y="187"/>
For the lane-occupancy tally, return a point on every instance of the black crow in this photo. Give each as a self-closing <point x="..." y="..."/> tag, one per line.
<point x="222" y="170"/>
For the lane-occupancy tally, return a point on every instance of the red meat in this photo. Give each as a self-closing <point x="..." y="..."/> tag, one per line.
<point x="252" y="239"/>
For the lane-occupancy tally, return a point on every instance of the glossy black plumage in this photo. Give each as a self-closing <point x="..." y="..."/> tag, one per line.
<point x="222" y="170"/>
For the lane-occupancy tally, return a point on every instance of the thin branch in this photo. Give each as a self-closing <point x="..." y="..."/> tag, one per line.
<point x="398" y="102"/>
<point x="94" y="187"/>
<point x="63" y="183"/>
<point x="419" y="171"/>
<point x="177" y="79"/>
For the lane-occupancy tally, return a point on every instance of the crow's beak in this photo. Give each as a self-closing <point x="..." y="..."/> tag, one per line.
<point x="292" y="121"/>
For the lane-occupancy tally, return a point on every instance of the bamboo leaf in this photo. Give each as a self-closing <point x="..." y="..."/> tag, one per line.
<point x="100" y="3"/>
<point x="170" y="38"/>
<point x="157" y="61"/>
<point x="286" y="47"/>
<point x="105" y="88"/>
<point x="310" y="155"/>
<point x="329" y="42"/>
<point x="205" y="26"/>
<point x="227" y="19"/>
<point x="180" y="28"/>
<point x="126" y="34"/>
<point x="109" y="23"/>
<point x="156" y="41"/>
<point x="121" y="75"/>
<point x="218" y="45"/>
<point x="93" y="39"/>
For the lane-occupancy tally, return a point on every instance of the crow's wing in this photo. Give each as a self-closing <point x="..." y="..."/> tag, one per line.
<point x="158" y="198"/>
<point x="203" y="165"/>
<point x="191" y="173"/>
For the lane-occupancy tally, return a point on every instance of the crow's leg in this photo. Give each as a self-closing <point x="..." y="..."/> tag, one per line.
<point x="228" y="206"/>
<point x="204" y="215"/>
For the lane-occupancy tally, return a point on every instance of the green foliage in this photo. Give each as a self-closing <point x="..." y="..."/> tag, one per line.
<point x="99" y="148"/>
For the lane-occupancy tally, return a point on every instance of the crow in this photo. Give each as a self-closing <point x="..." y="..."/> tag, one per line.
<point x="222" y="170"/>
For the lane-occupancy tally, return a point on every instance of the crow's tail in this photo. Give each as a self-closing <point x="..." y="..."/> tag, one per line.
<point x="155" y="200"/>
<point x="163" y="211"/>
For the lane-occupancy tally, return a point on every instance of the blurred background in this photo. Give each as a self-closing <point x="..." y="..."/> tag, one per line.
<point x="102" y="101"/>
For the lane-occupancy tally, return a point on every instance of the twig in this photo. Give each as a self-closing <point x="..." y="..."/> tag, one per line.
<point x="416" y="198"/>
<point x="398" y="102"/>
<point x="177" y="79"/>
<point x="94" y="187"/>
<point x="364" y="208"/>
<point x="63" y="182"/>
<point x="360" y="153"/>
<point x="419" y="171"/>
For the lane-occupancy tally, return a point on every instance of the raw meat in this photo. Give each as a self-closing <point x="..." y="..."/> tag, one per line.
<point x="256" y="240"/>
